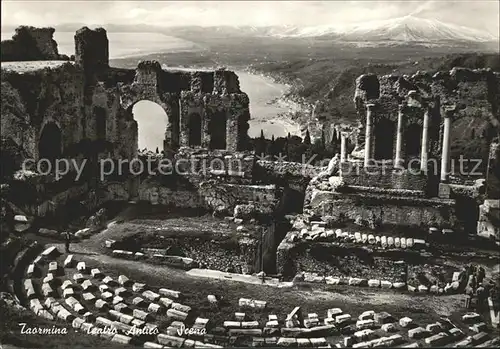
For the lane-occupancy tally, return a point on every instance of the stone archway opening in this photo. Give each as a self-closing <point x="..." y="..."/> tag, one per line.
<point x="152" y="122"/>
<point x="50" y="143"/>
<point x="413" y="140"/>
<point x="217" y="130"/>
<point x="384" y="139"/>
<point x="194" y="129"/>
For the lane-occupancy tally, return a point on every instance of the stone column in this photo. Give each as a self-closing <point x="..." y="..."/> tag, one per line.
<point x="424" y="153"/>
<point x="343" y="147"/>
<point x="398" y="159"/>
<point x="368" y="133"/>
<point x="445" y="155"/>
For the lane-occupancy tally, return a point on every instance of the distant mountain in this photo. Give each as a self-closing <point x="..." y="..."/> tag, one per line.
<point x="413" y="29"/>
<point x="395" y="31"/>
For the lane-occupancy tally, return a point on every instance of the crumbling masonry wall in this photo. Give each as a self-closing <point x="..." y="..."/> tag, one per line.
<point x="474" y="93"/>
<point x="31" y="44"/>
<point x="88" y="104"/>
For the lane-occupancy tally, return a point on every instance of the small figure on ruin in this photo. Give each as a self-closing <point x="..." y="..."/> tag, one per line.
<point x="67" y="240"/>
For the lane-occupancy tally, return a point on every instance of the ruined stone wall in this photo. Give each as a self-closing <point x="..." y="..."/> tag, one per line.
<point x="376" y="210"/>
<point x="325" y="260"/>
<point x="31" y="44"/>
<point x="354" y="174"/>
<point x="473" y="92"/>
<point x="33" y="99"/>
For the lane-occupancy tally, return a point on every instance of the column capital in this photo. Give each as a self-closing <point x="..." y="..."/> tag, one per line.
<point x="449" y="111"/>
<point x="370" y="106"/>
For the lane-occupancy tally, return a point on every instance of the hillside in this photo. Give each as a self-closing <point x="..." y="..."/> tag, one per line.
<point x="331" y="84"/>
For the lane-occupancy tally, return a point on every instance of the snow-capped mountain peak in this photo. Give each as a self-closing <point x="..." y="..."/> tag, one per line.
<point x="408" y="28"/>
<point x="411" y="28"/>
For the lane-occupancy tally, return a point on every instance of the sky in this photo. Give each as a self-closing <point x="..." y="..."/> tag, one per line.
<point x="479" y="14"/>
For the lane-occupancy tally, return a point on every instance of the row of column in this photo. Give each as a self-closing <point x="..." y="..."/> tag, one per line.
<point x="398" y="158"/>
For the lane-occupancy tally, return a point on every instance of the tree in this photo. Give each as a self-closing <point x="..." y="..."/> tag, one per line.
<point x="307" y="138"/>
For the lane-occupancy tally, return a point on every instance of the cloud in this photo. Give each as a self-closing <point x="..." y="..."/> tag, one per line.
<point x="481" y="14"/>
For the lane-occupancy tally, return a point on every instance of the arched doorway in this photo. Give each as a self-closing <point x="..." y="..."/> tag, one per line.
<point x="152" y="121"/>
<point x="413" y="139"/>
<point x="217" y="130"/>
<point x="50" y="143"/>
<point x="194" y="127"/>
<point x="384" y="139"/>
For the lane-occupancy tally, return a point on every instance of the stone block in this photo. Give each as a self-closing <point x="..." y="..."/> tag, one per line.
<point x="212" y="299"/>
<point x="103" y="288"/>
<point x="142" y="315"/>
<point x="108" y="280"/>
<point x="96" y="273"/>
<point x="69" y="262"/>
<point x="122" y="308"/>
<point x="249" y="324"/>
<point x="124" y="281"/>
<point x="176" y="314"/>
<point x="138" y="287"/>
<point x="358" y="282"/>
<point x="117" y="300"/>
<point x="365" y="324"/>
<point x="170" y="341"/>
<point x="367" y="315"/>
<point x="418" y="333"/>
<point x="107" y="296"/>
<point x="78" y="277"/>
<point x="239" y="316"/>
<point x="53" y="267"/>
<point x="434" y="328"/>
<point x="155" y="308"/>
<point x="471" y="317"/>
<point x="88" y="285"/>
<point x="374" y="283"/>
<point x="100" y="304"/>
<point x="166" y="302"/>
<point x="128" y="319"/>
<point x="344" y="318"/>
<point x="385" y="284"/>
<point x="122" y="339"/>
<point x="333" y="312"/>
<point x="232" y="324"/>
<point x="68" y="292"/>
<point x="287" y="342"/>
<point x="423" y="289"/>
<point x="47" y="290"/>
<point x="364" y="335"/>
<point x="49" y="279"/>
<point x="150" y="295"/>
<point x="479" y="327"/>
<point x="391" y="327"/>
<point x="437" y="340"/>
<point x="81" y="267"/>
<point x="50" y="253"/>
<point x="181" y="307"/>
<point x="88" y="296"/>
<point x="383" y="318"/>
<point x="405" y="322"/>
<point x="122" y="292"/>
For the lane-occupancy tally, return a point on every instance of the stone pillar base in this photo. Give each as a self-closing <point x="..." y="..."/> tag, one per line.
<point x="444" y="191"/>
